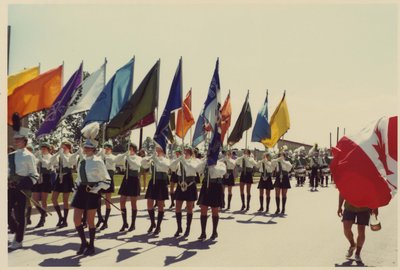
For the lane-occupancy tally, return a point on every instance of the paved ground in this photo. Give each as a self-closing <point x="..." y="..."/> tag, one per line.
<point x="309" y="235"/>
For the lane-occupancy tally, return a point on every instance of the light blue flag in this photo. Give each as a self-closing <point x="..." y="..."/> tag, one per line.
<point x="113" y="97"/>
<point x="209" y="114"/>
<point x="262" y="129"/>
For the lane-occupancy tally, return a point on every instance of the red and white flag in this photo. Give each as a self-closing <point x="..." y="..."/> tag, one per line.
<point x="364" y="166"/>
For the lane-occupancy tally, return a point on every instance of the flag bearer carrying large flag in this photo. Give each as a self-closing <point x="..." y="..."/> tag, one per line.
<point x="364" y="168"/>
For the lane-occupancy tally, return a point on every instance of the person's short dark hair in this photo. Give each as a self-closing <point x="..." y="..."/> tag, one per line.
<point x="134" y="147"/>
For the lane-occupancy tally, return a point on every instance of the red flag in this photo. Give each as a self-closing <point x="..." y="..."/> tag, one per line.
<point x="226" y="113"/>
<point x="364" y="166"/>
<point x="188" y="119"/>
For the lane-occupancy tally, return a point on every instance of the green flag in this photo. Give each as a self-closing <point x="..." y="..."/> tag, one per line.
<point x="243" y="123"/>
<point x="139" y="111"/>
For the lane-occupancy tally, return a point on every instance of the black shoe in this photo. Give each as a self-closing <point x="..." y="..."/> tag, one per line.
<point x="131" y="228"/>
<point x="99" y="222"/>
<point x="124" y="226"/>
<point x="277" y="211"/>
<point x="247" y="208"/>
<point x="152" y="226"/>
<point x="59" y="222"/>
<point x="28" y="222"/>
<point x="40" y="224"/>
<point x="243" y="207"/>
<point x="63" y="224"/>
<point x="104" y="226"/>
<point x="283" y="211"/>
<point x="202" y="237"/>
<point x="157" y="231"/>
<point x="172" y="205"/>
<point x="82" y="248"/>
<point x="214" y="236"/>
<point x="266" y="211"/>
<point x="261" y="209"/>
<point x="178" y="232"/>
<point x="187" y="232"/>
<point x="89" y="251"/>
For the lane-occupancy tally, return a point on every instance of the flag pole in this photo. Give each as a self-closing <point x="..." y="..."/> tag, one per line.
<point x="183" y="135"/>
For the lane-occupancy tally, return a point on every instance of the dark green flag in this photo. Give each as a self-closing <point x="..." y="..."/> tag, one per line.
<point x="243" y="123"/>
<point x="139" y="111"/>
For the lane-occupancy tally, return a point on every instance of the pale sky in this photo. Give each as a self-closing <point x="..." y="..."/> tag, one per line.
<point x="337" y="62"/>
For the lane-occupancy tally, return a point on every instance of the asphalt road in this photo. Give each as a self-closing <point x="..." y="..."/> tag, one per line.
<point x="310" y="234"/>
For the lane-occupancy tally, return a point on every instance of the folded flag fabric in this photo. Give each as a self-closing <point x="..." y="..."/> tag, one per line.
<point x="21" y="78"/>
<point x="364" y="165"/>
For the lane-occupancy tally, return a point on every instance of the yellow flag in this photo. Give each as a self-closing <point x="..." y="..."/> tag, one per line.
<point x="280" y="123"/>
<point x="19" y="79"/>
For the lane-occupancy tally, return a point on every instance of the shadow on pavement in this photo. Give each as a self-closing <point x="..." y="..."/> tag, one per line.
<point x="51" y="249"/>
<point x="181" y="257"/>
<point x="349" y="263"/>
<point x="67" y="261"/>
<point x="250" y="220"/>
<point x="124" y="254"/>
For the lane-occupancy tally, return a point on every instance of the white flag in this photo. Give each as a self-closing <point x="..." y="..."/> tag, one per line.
<point x="86" y="93"/>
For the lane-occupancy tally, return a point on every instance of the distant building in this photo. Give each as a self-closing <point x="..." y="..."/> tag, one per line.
<point x="293" y="145"/>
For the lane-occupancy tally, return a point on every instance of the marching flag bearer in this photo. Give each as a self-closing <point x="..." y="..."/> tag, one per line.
<point x="265" y="183"/>
<point x="229" y="179"/>
<point x="92" y="177"/>
<point x="211" y="195"/>
<point x="282" y="183"/>
<point x="22" y="175"/>
<point x="130" y="186"/>
<point x="43" y="187"/>
<point x="246" y="178"/>
<point x="174" y="177"/>
<point x="186" y="189"/>
<point x="157" y="189"/>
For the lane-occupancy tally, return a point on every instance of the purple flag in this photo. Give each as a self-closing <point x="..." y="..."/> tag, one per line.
<point x="60" y="105"/>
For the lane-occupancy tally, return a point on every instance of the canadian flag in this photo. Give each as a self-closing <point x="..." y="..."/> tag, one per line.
<point x="364" y="166"/>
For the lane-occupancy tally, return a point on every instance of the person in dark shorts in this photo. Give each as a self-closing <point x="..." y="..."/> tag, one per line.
<point x="157" y="189"/>
<point x="229" y="180"/>
<point x="174" y="177"/>
<point x="354" y="215"/>
<point x="64" y="182"/>
<point x="282" y="181"/>
<point x="130" y="186"/>
<point x="211" y="195"/>
<point x="186" y="190"/>
<point x="42" y="188"/>
<point x="92" y="177"/>
<point x="265" y="183"/>
<point x="22" y="175"/>
<point x="246" y="162"/>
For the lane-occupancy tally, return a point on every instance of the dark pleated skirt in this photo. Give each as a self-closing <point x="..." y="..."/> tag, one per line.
<point x="265" y="184"/>
<point x="174" y="177"/>
<point x="85" y="200"/>
<point x="284" y="183"/>
<point x="130" y="186"/>
<point x="159" y="190"/>
<point x="213" y="196"/>
<point x="45" y="186"/>
<point x="247" y="177"/>
<point x="230" y="180"/>
<point x="66" y="185"/>
<point x="189" y="195"/>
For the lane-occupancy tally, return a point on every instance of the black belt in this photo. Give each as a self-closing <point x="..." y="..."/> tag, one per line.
<point x="66" y="170"/>
<point x="229" y="171"/>
<point x="188" y="179"/>
<point x="214" y="180"/>
<point x="133" y="173"/>
<point x="45" y="171"/>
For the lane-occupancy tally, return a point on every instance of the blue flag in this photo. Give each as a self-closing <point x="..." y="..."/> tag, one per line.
<point x="208" y="116"/>
<point x="262" y="129"/>
<point x="114" y="95"/>
<point x="60" y="105"/>
<point x="174" y="102"/>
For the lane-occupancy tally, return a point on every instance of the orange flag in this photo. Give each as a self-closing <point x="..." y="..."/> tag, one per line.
<point x="188" y="119"/>
<point x="226" y="113"/>
<point x="35" y="95"/>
